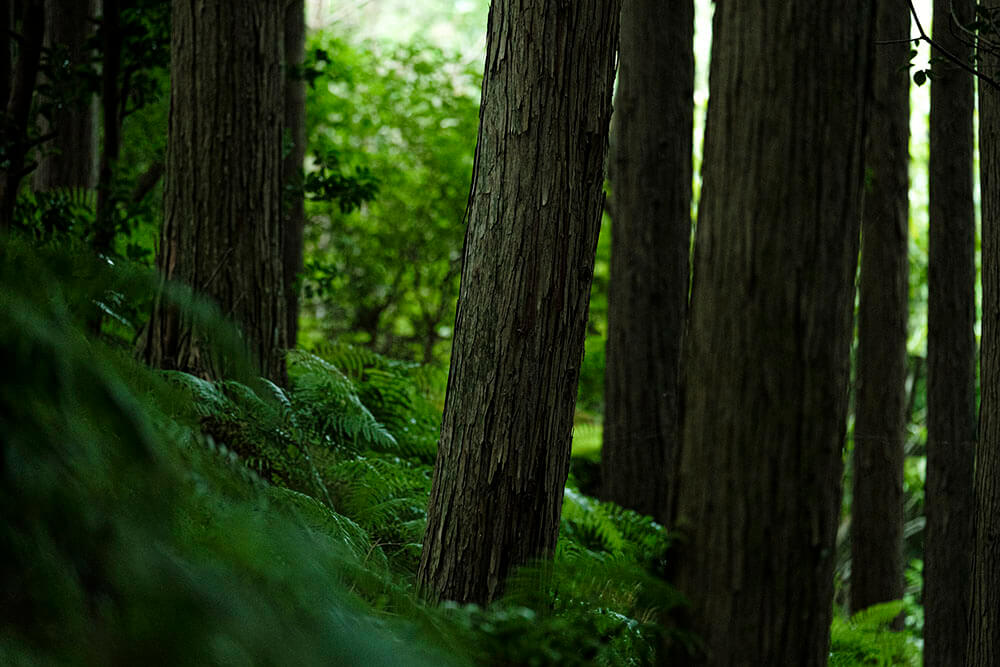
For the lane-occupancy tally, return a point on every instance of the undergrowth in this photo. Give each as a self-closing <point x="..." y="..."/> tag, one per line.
<point x="153" y="517"/>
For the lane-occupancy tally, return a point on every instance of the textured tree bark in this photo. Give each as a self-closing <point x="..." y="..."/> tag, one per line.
<point x="533" y="220"/>
<point x="295" y="126"/>
<point x="880" y="403"/>
<point x="983" y="644"/>
<point x="767" y="352"/>
<point x="650" y="172"/>
<point x="30" y="24"/>
<point x="111" y="63"/>
<point x="222" y="203"/>
<point x="69" y="159"/>
<point x="951" y="351"/>
<point x="7" y="19"/>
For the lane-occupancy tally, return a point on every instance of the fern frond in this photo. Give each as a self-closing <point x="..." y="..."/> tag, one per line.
<point x="328" y="406"/>
<point x="208" y="398"/>
<point x="389" y="390"/>
<point x="866" y="638"/>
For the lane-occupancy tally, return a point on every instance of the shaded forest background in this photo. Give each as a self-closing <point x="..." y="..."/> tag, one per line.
<point x="245" y="521"/>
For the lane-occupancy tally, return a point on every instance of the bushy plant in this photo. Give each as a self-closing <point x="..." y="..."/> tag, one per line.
<point x="386" y="275"/>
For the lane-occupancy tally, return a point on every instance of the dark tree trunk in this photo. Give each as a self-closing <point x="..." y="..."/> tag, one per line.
<point x="533" y="220"/>
<point x="983" y="644"/>
<point x="69" y="158"/>
<point x="111" y="61"/>
<point x="222" y="203"/>
<point x="951" y="351"/>
<point x="767" y="352"/>
<point x="30" y="24"/>
<point x="295" y="110"/>
<point x="6" y="55"/>
<point x="880" y="406"/>
<point x="650" y="171"/>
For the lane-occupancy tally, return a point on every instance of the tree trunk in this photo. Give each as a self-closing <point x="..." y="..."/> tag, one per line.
<point x="951" y="351"/>
<point x="69" y="158"/>
<point x="295" y="126"/>
<point x="768" y="345"/>
<point x="222" y="203"/>
<point x="111" y="62"/>
<point x="30" y="24"/>
<point x="533" y="220"/>
<point x="6" y="55"/>
<point x="983" y="644"/>
<point x="880" y="406"/>
<point x="650" y="172"/>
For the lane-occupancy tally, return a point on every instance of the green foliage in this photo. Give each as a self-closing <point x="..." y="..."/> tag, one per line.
<point x="60" y="214"/>
<point x="576" y="635"/>
<point x="329" y="408"/>
<point x="604" y="531"/>
<point x="386" y="275"/>
<point x="600" y="601"/>
<point x="597" y="603"/>
<point x="320" y="438"/>
<point x="865" y="638"/>
<point x="328" y="182"/>
<point x="130" y="538"/>
<point x="408" y="398"/>
<point x="153" y="516"/>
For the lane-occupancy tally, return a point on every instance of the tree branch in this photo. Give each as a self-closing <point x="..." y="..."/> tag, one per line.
<point x="947" y="54"/>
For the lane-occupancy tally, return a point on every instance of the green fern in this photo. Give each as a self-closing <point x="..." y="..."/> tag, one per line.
<point x="131" y="538"/>
<point x="388" y="497"/>
<point x="865" y="638"/>
<point x="599" y="530"/>
<point x="398" y="394"/>
<point x="328" y="408"/>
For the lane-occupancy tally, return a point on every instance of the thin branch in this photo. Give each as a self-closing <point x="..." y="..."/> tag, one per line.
<point x="955" y="22"/>
<point x="947" y="54"/>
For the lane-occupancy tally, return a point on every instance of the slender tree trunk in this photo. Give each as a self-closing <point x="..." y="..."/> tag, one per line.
<point x="768" y="344"/>
<point x="30" y="21"/>
<point x="295" y="111"/>
<point x="107" y="223"/>
<point x="880" y="418"/>
<point x="222" y="203"/>
<point x="651" y="239"/>
<point x="951" y="351"/>
<point x="69" y="158"/>
<point x="983" y="645"/>
<point x="533" y="220"/>
<point x="6" y="56"/>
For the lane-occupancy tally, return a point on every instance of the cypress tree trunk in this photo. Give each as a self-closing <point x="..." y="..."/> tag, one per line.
<point x="222" y="219"/>
<point x="533" y="220"/>
<point x="951" y="351"/>
<point x="768" y="344"/>
<point x="880" y="408"/>
<point x="28" y="19"/>
<point x="651" y="237"/>
<point x="111" y="63"/>
<point x="69" y="158"/>
<point x="983" y="645"/>
<point x="295" y="126"/>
